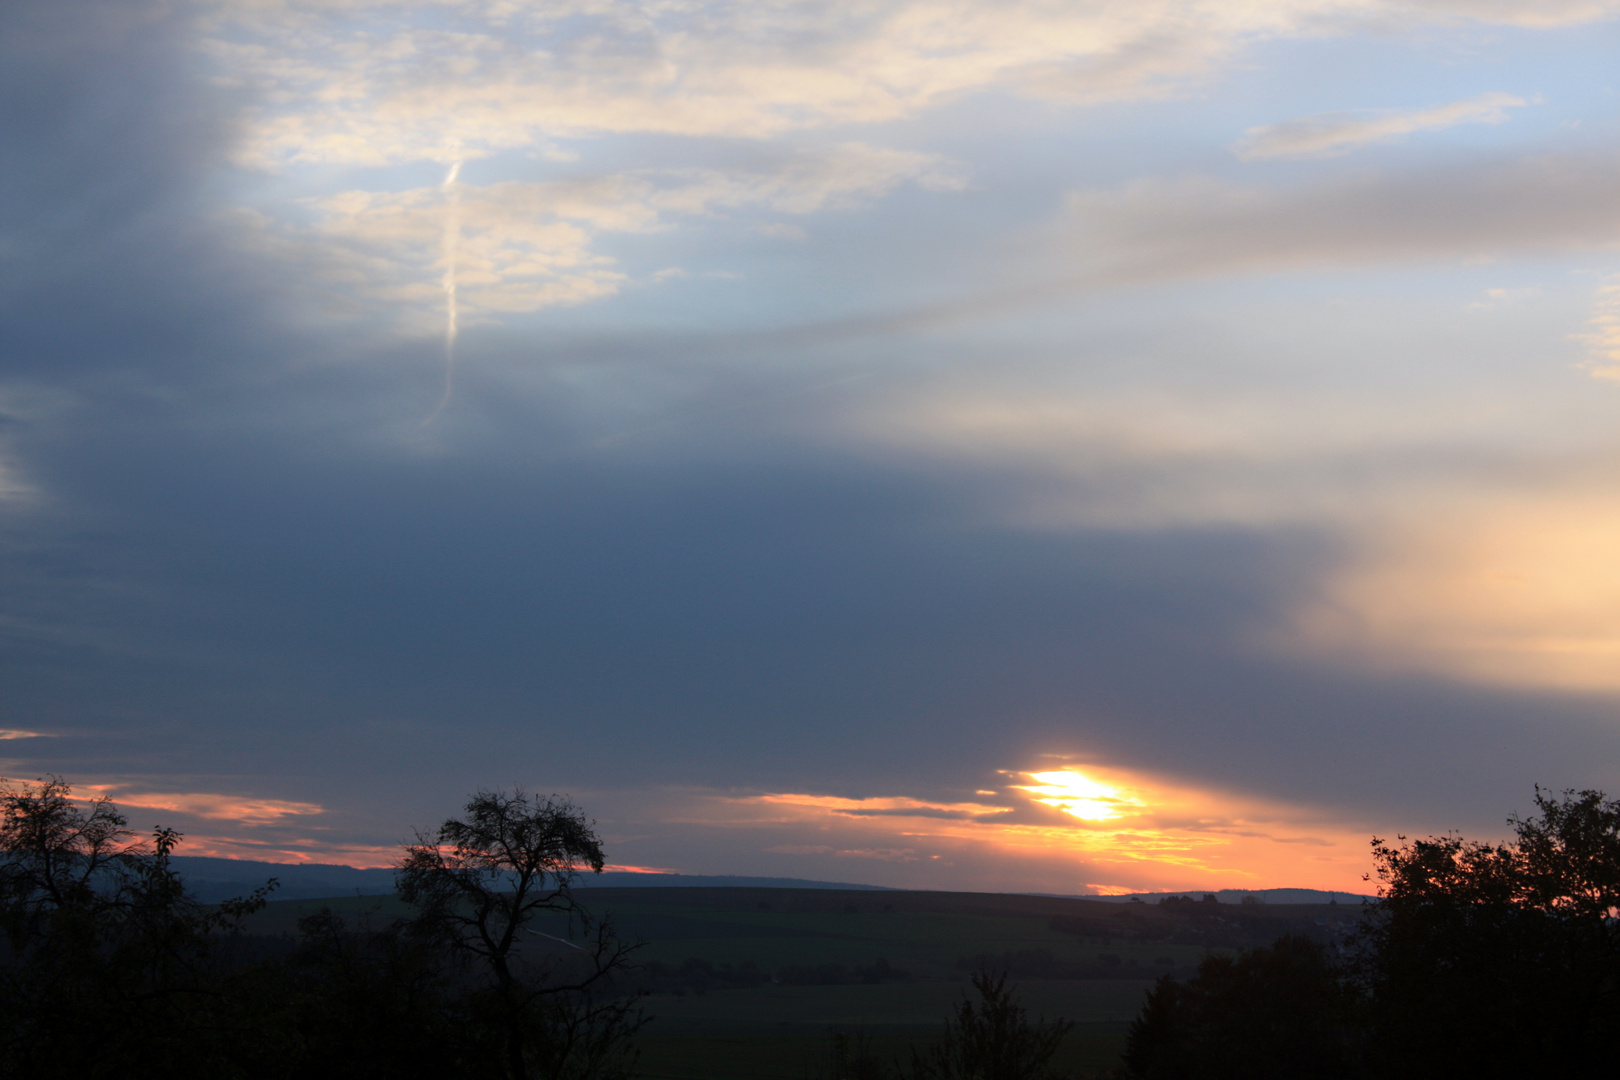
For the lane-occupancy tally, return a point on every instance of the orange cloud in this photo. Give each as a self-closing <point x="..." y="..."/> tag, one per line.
<point x="242" y="810"/>
<point x="294" y="850"/>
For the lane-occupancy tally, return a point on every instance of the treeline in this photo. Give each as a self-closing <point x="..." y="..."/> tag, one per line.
<point x="1478" y="961"/>
<point x="108" y="969"/>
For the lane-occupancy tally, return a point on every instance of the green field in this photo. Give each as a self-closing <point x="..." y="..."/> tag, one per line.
<point x="749" y="983"/>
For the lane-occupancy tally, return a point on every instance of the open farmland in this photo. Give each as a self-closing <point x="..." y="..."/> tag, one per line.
<point x="748" y="982"/>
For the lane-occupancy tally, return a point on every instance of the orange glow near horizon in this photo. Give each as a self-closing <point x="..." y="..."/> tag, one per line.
<point x="1066" y="828"/>
<point x="1072" y="829"/>
<point x="1111" y="890"/>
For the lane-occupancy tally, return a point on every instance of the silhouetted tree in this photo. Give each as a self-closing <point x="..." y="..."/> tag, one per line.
<point x="480" y="883"/>
<point x="991" y="1039"/>
<point x="108" y="965"/>
<point x="1495" y="960"/>
<point x="1275" y="1013"/>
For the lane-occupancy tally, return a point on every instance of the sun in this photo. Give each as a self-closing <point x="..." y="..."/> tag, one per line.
<point x="1079" y="795"/>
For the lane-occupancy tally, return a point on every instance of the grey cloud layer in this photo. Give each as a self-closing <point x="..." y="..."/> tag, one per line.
<point x="1168" y="229"/>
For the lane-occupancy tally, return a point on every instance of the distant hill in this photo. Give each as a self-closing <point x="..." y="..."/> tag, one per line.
<point x="212" y="880"/>
<point x="621" y="880"/>
<point x="1235" y="896"/>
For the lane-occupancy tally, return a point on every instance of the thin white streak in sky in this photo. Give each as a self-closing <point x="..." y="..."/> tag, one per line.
<point x="452" y="239"/>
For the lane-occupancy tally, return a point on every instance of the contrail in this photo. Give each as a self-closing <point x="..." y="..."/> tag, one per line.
<point x="452" y="239"/>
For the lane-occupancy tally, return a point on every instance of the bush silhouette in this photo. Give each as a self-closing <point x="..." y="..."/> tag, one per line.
<point x="1274" y="1013"/>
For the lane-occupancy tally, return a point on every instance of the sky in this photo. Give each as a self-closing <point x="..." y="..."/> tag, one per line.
<point x="1067" y="447"/>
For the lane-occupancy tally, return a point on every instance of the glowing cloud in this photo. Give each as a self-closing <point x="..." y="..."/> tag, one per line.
<point x="1065" y="829"/>
<point x="1514" y="586"/>
<point x="1080" y="796"/>
<point x="262" y="816"/>
<point x="1604" y="337"/>
<point x="244" y="811"/>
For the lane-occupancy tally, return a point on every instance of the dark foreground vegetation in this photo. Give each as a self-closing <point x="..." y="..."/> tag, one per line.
<point x="111" y="970"/>
<point x="1479" y="961"/>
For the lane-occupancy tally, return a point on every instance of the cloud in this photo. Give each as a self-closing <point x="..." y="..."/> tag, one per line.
<point x="1333" y="134"/>
<point x="241" y="810"/>
<point x="1515" y="584"/>
<point x="1157" y="833"/>
<point x="290" y="849"/>
<point x="372" y="84"/>
<point x="881" y="854"/>
<point x="642" y="551"/>
<point x="1071" y="456"/>
<point x="1173" y="229"/>
<point x="1167" y="229"/>
<point x="1501" y="297"/>
<point x="375" y="83"/>
<point x="523" y="246"/>
<point x="806" y="182"/>
<point x="1471" y="516"/>
<point x="1526" y="13"/>
<point x="781" y="230"/>
<point x="885" y="807"/>
<point x="1603" y="337"/>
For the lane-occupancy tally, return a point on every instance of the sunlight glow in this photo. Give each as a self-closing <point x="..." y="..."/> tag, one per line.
<point x="1113" y="890"/>
<point x="1080" y="796"/>
<point x="1061" y="830"/>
